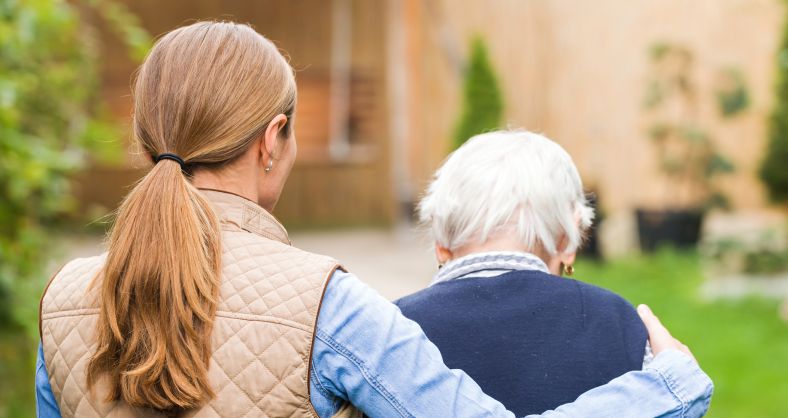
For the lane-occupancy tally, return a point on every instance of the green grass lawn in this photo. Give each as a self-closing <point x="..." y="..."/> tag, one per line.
<point x="742" y="345"/>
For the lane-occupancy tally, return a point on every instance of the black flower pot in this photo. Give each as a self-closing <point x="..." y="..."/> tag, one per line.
<point x="591" y="247"/>
<point x="677" y="228"/>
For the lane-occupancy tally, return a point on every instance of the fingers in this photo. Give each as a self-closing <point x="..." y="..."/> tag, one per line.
<point x="658" y="335"/>
<point x="646" y="315"/>
<point x="684" y="349"/>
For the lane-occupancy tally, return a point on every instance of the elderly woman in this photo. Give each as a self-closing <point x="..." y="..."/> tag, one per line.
<point x="507" y="213"/>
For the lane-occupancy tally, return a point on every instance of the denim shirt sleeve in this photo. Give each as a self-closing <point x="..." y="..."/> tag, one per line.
<point x="366" y="352"/>
<point x="672" y="385"/>
<point x="46" y="406"/>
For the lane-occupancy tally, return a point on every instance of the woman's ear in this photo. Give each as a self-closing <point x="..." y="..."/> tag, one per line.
<point x="443" y="254"/>
<point x="272" y="140"/>
<point x="562" y="260"/>
<point x="568" y="259"/>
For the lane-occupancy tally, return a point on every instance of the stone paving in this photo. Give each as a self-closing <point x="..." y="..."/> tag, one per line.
<point x="394" y="262"/>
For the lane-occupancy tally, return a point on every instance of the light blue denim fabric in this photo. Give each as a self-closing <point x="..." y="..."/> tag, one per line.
<point x="46" y="406"/>
<point x="367" y="353"/>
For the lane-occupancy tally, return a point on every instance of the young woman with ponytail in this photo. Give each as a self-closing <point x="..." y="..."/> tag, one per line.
<point x="201" y="307"/>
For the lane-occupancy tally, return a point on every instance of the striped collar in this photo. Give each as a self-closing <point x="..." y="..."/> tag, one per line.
<point x="488" y="264"/>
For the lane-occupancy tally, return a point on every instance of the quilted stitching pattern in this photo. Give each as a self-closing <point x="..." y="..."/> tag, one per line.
<point x="262" y="337"/>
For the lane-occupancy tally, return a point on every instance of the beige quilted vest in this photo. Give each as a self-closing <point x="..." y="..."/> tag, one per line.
<point x="263" y="332"/>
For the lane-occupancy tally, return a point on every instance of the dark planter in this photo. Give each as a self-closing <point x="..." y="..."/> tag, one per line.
<point x="677" y="228"/>
<point x="590" y="247"/>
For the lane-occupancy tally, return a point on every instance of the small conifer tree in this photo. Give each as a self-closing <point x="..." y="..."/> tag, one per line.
<point x="482" y="104"/>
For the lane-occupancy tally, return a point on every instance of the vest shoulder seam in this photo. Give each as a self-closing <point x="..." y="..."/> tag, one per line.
<point x="70" y="312"/>
<point x="263" y="318"/>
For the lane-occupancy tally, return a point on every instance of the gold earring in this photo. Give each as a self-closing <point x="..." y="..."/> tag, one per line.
<point x="569" y="270"/>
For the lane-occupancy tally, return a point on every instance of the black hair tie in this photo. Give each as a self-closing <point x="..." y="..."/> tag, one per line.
<point x="172" y="157"/>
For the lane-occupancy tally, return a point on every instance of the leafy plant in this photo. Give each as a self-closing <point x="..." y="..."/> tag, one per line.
<point x="733" y="97"/>
<point x="51" y="121"/>
<point x="774" y="169"/>
<point x="687" y="154"/>
<point x="482" y="104"/>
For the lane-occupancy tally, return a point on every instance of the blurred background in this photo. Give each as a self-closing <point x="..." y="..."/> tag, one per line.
<point x="675" y="112"/>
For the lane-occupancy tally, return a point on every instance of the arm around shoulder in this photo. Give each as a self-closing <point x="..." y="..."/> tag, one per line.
<point x="673" y="385"/>
<point x="368" y="353"/>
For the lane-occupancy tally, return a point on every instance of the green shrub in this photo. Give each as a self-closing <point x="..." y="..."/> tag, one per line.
<point x="482" y="104"/>
<point x="774" y="170"/>
<point x="51" y="122"/>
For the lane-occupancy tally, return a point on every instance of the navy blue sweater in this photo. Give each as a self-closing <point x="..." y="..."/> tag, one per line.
<point x="531" y="340"/>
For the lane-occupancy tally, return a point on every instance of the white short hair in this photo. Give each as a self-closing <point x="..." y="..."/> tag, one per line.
<point x="507" y="182"/>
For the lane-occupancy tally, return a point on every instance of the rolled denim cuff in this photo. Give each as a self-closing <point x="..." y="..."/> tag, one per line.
<point x="685" y="379"/>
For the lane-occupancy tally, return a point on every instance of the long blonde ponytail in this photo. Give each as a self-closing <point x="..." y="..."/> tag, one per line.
<point x="204" y="93"/>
